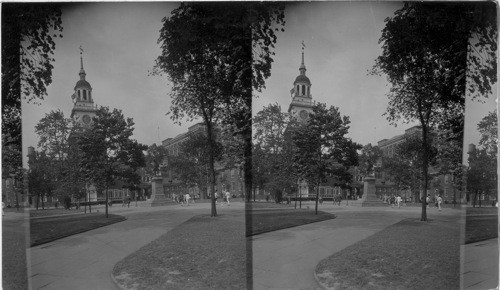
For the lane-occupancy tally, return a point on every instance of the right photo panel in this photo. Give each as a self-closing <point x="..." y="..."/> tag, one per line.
<point x="375" y="147"/>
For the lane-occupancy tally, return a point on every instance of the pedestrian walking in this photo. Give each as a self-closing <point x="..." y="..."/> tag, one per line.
<point x="398" y="200"/>
<point x="428" y="200"/>
<point x="228" y="195"/>
<point x="187" y="197"/>
<point x="439" y="201"/>
<point x="393" y="200"/>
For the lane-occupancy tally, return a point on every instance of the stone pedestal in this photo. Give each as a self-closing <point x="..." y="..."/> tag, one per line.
<point x="157" y="195"/>
<point x="369" y="193"/>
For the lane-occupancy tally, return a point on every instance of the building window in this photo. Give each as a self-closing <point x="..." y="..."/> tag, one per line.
<point x="78" y="94"/>
<point x="84" y="95"/>
<point x="303" y="89"/>
<point x="90" y="96"/>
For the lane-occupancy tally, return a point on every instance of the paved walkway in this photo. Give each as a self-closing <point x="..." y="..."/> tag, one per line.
<point x="480" y="268"/>
<point x="86" y="260"/>
<point x="286" y="259"/>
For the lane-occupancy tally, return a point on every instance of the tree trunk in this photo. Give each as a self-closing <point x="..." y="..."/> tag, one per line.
<point x="247" y="165"/>
<point x="296" y="193"/>
<point x="425" y="163"/>
<point x="107" y="200"/>
<point x="317" y="198"/>
<point x="213" y="212"/>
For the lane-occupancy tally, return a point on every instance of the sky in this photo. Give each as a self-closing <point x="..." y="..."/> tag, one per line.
<point x="120" y="45"/>
<point x="341" y="41"/>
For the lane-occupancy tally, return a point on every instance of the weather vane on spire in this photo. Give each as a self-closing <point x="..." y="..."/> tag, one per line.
<point x="303" y="45"/>
<point x="81" y="50"/>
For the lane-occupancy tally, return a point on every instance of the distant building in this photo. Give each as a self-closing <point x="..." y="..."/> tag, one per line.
<point x="230" y="179"/>
<point x="439" y="184"/>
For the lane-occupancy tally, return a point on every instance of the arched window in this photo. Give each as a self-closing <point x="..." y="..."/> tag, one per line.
<point x="78" y="94"/>
<point x="303" y="89"/>
<point x="308" y="90"/>
<point x="84" y="95"/>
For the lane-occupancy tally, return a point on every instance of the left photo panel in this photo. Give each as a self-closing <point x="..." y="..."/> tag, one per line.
<point x="127" y="142"/>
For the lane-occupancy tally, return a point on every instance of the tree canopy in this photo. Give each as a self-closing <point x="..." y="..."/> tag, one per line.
<point x="28" y="32"/>
<point x="109" y="152"/>
<point x="433" y="54"/>
<point x="272" y="157"/>
<point x="210" y="63"/>
<point x="322" y="147"/>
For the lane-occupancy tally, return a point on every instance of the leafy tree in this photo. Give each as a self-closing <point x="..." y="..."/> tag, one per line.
<point x="210" y="65"/>
<point x="53" y="131"/>
<point x="108" y="152"/>
<point x="427" y="57"/>
<point x="488" y="128"/>
<point x="481" y="174"/>
<point x="273" y="166"/>
<point x="322" y="148"/>
<point x="41" y="177"/>
<point x="28" y="32"/>
<point x="368" y="159"/>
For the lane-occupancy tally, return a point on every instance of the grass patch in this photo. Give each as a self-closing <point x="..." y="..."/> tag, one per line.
<point x="263" y="221"/>
<point x="480" y="228"/>
<point x="407" y="255"/>
<point x="44" y="230"/>
<point x="267" y="204"/>
<point x="56" y="211"/>
<point x="202" y="253"/>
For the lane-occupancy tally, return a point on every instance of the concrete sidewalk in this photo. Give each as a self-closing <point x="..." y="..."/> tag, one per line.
<point x="86" y="260"/>
<point x="480" y="265"/>
<point x="286" y="259"/>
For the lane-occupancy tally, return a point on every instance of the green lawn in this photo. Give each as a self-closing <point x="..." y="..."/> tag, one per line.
<point x="202" y="253"/>
<point x="267" y="204"/>
<point x="268" y="220"/>
<point x="407" y="255"/>
<point x="481" y="224"/>
<point x="47" y="229"/>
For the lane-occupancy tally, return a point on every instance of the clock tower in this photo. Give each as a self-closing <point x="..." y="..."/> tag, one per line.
<point x="83" y="108"/>
<point x="302" y="102"/>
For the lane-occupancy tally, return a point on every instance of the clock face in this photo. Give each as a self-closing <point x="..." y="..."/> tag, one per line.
<point x="86" y="119"/>
<point x="303" y="114"/>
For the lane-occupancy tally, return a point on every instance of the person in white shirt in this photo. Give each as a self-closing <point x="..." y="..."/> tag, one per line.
<point x="439" y="200"/>
<point x="187" y="197"/>
<point x="228" y="195"/>
<point x="399" y="200"/>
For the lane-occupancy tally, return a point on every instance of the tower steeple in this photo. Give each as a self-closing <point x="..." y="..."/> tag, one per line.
<point x="82" y="71"/>
<point x="302" y="68"/>
<point x="302" y="103"/>
<point x="83" y="109"/>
